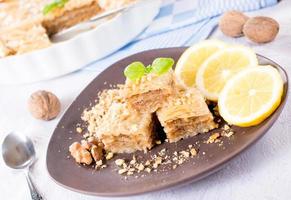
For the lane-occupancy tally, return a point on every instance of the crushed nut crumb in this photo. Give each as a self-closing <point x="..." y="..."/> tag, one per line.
<point x="129" y="173"/>
<point x="79" y="130"/>
<point x="119" y="162"/>
<point x="103" y="166"/>
<point x="99" y="163"/>
<point x="185" y="154"/>
<point x="147" y="163"/>
<point x="193" y="152"/>
<point x="109" y="156"/>
<point x="122" y="171"/>
<point x="140" y="167"/>
<point x="213" y="138"/>
<point x="226" y="127"/>
<point x="132" y="162"/>
<point x="148" y="170"/>
<point x="158" y="142"/>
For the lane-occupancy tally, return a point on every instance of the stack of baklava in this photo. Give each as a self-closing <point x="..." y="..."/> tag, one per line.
<point x="127" y="122"/>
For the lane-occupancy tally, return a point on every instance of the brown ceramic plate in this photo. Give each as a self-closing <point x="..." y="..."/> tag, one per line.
<point x="107" y="182"/>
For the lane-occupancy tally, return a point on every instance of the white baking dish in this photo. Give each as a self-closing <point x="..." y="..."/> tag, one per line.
<point x="71" y="55"/>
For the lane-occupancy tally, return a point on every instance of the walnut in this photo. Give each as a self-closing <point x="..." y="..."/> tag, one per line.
<point x="44" y="105"/>
<point x="261" y="29"/>
<point x="86" y="144"/>
<point x="93" y="140"/>
<point x="80" y="154"/>
<point x="231" y="23"/>
<point x="97" y="152"/>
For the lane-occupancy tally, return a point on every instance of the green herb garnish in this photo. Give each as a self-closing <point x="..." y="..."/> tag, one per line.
<point x="136" y="70"/>
<point x="148" y="69"/>
<point x="162" y="65"/>
<point x="53" y="5"/>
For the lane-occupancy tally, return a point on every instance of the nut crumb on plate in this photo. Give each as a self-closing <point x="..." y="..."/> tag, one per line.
<point x="213" y="138"/>
<point x="79" y="130"/>
<point x="109" y="156"/>
<point x="119" y="162"/>
<point x="193" y="152"/>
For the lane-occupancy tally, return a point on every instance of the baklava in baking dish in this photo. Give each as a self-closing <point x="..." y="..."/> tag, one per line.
<point x="31" y="22"/>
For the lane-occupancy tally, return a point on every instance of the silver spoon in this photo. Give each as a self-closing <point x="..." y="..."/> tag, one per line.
<point x="18" y="153"/>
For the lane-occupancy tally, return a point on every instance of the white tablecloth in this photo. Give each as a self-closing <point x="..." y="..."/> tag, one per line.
<point x="262" y="172"/>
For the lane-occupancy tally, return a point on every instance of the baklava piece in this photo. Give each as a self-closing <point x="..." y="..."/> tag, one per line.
<point x="124" y="130"/>
<point x="4" y="50"/>
<point x="150" y="92"/>
<point x="113" y="4"/>
<point x="74" y="12"/>
<point x="24" y="38"/>
<point x="13" y="13"/>
<point x="185" y="114"/>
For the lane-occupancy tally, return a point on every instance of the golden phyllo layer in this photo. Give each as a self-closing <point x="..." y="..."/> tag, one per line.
<point x="185" y="114"/>
<point x="150" y="92"/>
<point x="124" y="130"/>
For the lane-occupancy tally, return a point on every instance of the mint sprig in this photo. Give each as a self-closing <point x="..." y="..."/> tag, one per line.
<point x="136" y="70"/>
<point x="148" y="69"/>
<point x="162" y="65"/>
<point x="53" y="5"/>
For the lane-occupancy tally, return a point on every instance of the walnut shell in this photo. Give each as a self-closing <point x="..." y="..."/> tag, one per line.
<point x="232" y="22"/>
<point x="44" y="105"/>
<point x="261" y="29"/>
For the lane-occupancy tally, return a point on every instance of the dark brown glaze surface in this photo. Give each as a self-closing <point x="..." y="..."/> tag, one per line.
<point x="107" y="182"/>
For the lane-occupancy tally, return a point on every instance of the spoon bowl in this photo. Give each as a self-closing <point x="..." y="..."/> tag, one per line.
<point x="18" y="151"/>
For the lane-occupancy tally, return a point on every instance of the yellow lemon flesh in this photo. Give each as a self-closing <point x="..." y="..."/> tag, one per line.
<point x="251" y="96"/>
<point x="220" y="67"/>
<point x="193" y="58"/>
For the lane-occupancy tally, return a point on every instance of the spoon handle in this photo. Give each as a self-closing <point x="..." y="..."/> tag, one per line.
<point x="33" y="192"/>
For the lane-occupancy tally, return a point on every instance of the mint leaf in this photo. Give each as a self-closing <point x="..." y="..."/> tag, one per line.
<point x="53" y="5"/>
<point x="148" y="69"/>
<point x="135" y="71"/>
<point x="162" y="65"/>
<point x="49" y="7"/>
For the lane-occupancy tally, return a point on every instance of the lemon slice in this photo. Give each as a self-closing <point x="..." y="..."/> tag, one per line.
<point x="192" y="59"/>
<point x="251" y="96"/>
<point x="220" y="67"/>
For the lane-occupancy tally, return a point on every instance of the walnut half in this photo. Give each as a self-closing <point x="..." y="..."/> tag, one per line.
<point x="80" y="154"/>
<point x="97" y="152"/>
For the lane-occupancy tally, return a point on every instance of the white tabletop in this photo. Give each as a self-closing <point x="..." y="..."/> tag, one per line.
<point x="262" y="172"/>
